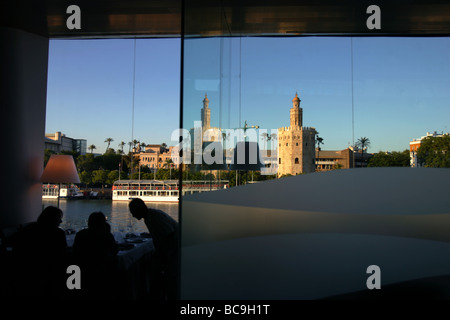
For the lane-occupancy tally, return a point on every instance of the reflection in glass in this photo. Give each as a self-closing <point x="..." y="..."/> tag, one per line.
<point x="390" y="90"/>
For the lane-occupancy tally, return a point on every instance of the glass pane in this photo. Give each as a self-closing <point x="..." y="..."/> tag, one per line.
<point x="358" y="95"/>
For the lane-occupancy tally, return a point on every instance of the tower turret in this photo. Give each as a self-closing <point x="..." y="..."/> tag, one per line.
<point x="206" y="114"/>
<point x="296" y="112"/>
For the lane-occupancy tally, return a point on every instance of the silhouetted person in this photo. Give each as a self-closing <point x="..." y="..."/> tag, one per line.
<point x="95" y="250"/>
<point x="40" y="252"/>
<point x="164" y="232"/>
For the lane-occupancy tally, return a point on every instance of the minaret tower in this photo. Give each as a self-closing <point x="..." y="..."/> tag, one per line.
<point x="206" y="114"/>
<point x="296" y="112"/>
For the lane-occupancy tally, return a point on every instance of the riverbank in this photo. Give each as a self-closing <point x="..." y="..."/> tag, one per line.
<point x="97" y="193"/>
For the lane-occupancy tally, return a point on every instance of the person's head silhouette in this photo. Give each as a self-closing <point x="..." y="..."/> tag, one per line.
<point x="138" y="208"/>
<point x="50" y="217"/>
<point x="97" y="221"/>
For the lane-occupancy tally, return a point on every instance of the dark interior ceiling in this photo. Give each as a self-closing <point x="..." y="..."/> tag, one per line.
<point x="129" y="18"/>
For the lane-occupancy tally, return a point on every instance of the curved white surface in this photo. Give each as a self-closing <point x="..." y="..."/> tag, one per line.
<point x="313" y="236"/>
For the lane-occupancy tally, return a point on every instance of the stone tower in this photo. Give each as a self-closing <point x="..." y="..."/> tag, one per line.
<point x="204" y="133"/>
<point x="206" y="114"/>
<point x="296" y="112"/>
<point x="296" y="153"/>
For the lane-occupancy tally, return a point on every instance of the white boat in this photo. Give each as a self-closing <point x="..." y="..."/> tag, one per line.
<point x="50" y="191"/>
<point x="161" y="190"/>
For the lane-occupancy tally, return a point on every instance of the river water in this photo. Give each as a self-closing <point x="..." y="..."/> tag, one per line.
<point x="76" y="213"/>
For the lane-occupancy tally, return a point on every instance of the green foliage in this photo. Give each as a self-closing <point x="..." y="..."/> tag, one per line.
<point x="147" y="176"/>
<point x="390" y="159"/>
<point x="109" y="161"/>
<point x="47" y="155"/>
<point x="112" y="176"/>
<point x="135" y="176"/>
<point x="99" y="176"/>
<point x="164" y="174"/>
<point x="123" y="175"/>
<point x="86" y="177"/>
<point x="363" y="143"/>
<point x="87" y="163"/>
<point x="434" y="152"/>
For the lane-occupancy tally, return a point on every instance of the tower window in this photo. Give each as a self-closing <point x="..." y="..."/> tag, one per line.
<point x="279" y="160"/>
<point x="296" y="160"/>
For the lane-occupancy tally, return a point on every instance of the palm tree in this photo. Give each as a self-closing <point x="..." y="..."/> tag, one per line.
<point x="273" y="136"/>
<point x="92" y="147"/>
<point x="266" y="138"/>
<point x="135" y="142"/>
<point x="121" y="144"/>
<point x="319" y="141"/>
<point x="169" y="163"/>
<point x="130" y="144"/>
<point x="108" y="140"/>
<point x="364" y="144"/>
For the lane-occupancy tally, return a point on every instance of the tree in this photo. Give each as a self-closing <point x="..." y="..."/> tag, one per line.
<point x="265" y="137"/>
<point x="86" y="178"/>
<point x="112" y="176"/>
<point x="381" y="159"/>
<point x="434" y="152"/>
<point x="401" y="159"/>
<point x="319" y="141"/>
<point x="363" y="143"/>
<point x="100" y="176"/>
<point x="121" y="144"/>
<point x="135" y="142"/>
<point x="390" y="159"/>
<point x="108" y="140"/>
<point x="169" y="164"/>
<point x="92" y="147"/>
<point x="109" y="161"/>
<point x="87" y="162"/>
<point x="162" y="174"/>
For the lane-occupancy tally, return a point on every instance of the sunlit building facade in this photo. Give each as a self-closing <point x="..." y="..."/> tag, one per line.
<point x="296" y="143"/>
<point x="58" y="142"/>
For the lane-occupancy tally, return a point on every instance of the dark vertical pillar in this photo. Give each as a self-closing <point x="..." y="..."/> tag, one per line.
<point x="23" y="92"/>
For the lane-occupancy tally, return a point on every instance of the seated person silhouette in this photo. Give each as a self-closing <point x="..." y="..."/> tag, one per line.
<point x="40" y="253"/>
<point x="95" y="251"/>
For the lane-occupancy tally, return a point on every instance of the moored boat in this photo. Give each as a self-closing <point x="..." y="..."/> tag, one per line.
<point x="162" y="190"/>
<point x="50" y="191"/>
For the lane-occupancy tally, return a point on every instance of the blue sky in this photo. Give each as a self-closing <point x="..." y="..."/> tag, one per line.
<point x="401" y="87"/>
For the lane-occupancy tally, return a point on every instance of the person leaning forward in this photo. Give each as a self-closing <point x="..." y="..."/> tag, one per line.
<point x="164" y="232"/>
